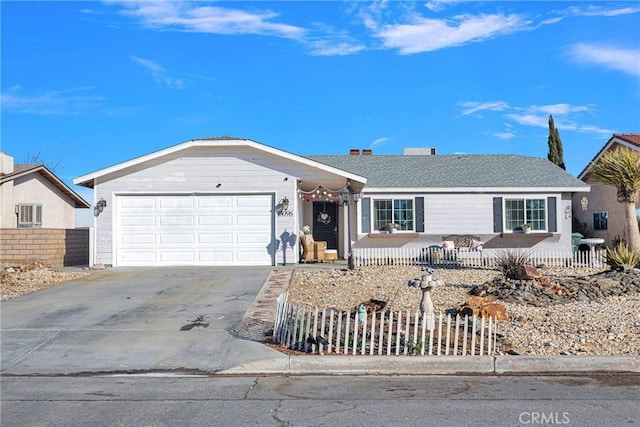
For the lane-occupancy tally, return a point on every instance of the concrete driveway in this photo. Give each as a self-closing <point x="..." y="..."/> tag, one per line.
<point x="134" y="319"/>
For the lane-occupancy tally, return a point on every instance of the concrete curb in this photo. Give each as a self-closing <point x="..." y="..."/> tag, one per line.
<point x="439" y="365"/>
<point x="566" y="364"/>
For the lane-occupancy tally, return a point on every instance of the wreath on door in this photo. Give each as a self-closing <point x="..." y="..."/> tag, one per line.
<point x="324" y="218"/>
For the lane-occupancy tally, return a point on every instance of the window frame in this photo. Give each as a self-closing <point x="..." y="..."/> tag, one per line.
<point x="396" y="206"/>
<point x="603" y="219"/>
<point x="532" y="210"/>
<point x="33" y="212"/>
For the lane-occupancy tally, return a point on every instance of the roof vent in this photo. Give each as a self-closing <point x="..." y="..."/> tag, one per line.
<point x="354" y="152"/>
<point x="367" y="152"/>
<point x="419" y="151"/>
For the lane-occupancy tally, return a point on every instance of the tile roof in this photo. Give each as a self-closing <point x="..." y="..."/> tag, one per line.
<point x="633" y="138"/>
<point x="454" y="171"/>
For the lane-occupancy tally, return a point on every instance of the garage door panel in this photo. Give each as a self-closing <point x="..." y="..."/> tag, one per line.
<point x="138" y="239"/>
<point x="252" y="220"/>
<point x="176" y="202"/>
<point x="250" y="238"/>
<point x="138" y="203"/>
<point x="215" y="257"/>
<point x="220" y="220"/>
<point x="215" y="238"/>
<point x="136" y="221"/>
<point x="246" y="257"/>
<point x="194" y="230"/>
<point x="171" y="220"/>
<point x="252" y="202"/>
<point x="176" y="238"/>
<point x="217" y="203"/>
<point x="136" y="258"/>
<point x="172" y="257"/>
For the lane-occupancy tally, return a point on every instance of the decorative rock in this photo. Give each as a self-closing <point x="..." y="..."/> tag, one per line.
<point x="484" y="307"/>
<point x="527" y="272"/>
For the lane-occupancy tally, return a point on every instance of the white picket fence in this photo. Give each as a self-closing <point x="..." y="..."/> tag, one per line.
<point x="465" y="258"/>
<point x="328" y="331"/>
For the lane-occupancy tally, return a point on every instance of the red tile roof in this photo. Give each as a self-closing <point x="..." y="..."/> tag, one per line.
<point x="633" y="138"/>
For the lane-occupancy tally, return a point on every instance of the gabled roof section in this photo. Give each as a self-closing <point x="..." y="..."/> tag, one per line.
<point x="218" y="141"/>
<point x="457" y="173"/>
<point x="21" y="170"/>
<point x="629" y="140"/>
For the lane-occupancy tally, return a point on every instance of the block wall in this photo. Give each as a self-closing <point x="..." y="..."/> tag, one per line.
<point x="55" y="247"/>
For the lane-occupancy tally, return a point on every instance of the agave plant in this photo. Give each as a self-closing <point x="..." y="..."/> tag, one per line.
<point x="622" y="258"/>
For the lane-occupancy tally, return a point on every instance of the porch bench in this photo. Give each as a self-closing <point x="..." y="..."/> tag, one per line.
<point x="455" y="246"/>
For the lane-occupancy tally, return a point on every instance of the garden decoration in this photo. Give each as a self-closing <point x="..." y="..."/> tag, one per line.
<point x="426" y="284"/>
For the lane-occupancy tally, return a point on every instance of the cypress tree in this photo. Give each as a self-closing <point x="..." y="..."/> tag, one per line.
<point x="555" y="154"/>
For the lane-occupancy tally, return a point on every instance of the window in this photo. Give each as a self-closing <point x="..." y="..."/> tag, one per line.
<point x="600" y="220"/>
<point x="29" y="216"/>
<point x="521" y="211"/>
<point x="399" y="211"/>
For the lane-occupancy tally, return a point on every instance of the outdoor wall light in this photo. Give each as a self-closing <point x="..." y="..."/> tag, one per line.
<point x="283" y="207"/>
<point x="99" y="207"/>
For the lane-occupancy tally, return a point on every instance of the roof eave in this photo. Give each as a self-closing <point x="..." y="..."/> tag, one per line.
<point x="615" y="139"/>
<point x="462" y="190"/>
<point x="78" y="201"/>
<point x="89" y="179"/>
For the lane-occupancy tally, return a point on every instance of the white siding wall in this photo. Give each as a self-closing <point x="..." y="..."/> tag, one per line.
<point x="471" y="214"/>
<point x="239" y="170"/>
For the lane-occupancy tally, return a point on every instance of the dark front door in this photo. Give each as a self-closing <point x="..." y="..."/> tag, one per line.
<point x="325" y="223"/>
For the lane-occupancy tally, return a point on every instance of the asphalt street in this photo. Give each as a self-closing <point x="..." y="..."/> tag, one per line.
<point x="603" y="400"/>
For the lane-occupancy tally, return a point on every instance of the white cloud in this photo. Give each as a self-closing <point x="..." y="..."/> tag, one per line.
<point x="566" y="116"/>
<point x="333" y="42"/>
<point x="51" y="102"/>
<point x="158" y="73"/>
<point x="529" y="119"/>
<point x="558" y="109"/>
<point x="424" y="35"/>
<point x="615" y="58"/>
<point x="504" y="135"/>
<point x="378" y="142"/>
<point x="185" y="16"/>
<point x="439" y="5"/>
<point x="592" y="10"/>
<point x="330" y="48"/>
<point x="473" y="107"/>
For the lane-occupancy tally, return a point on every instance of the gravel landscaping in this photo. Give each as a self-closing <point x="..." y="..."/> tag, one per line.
<point x="573" y="311"/>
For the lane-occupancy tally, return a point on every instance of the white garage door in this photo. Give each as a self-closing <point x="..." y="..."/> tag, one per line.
<point x="194" y="230"/>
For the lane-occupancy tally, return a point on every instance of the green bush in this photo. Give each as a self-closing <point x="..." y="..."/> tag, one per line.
<point x="509" y="261"/>
<point x="622" y="258"/>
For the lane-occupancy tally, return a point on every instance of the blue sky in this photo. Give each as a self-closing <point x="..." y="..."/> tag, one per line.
<point x="91" y="84"/>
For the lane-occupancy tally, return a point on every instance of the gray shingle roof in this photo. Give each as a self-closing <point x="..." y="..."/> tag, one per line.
<point x="454" y="171"/>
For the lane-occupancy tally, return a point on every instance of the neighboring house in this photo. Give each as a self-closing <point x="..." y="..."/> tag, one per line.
<point x="37" y="215"/>
<point x="230" y="201"/>
<point x="600" y="210"/>
<point x="33" y="197"/>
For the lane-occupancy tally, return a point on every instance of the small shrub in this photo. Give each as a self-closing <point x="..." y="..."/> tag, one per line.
<point x="509" y="261"/>
<point x="621" y="257"/>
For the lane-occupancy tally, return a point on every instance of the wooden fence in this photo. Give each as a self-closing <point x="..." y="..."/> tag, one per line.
<point x="330" y="331"/>
<point x="466" y="258"/>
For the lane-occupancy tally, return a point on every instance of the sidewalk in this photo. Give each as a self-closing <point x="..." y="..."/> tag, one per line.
<point x="258" y="322"/>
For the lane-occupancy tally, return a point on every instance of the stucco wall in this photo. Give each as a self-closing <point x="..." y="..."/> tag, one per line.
<point x="57" y="210"/>
<point x="602" y="198"/>
<point x="50" y="246"/>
